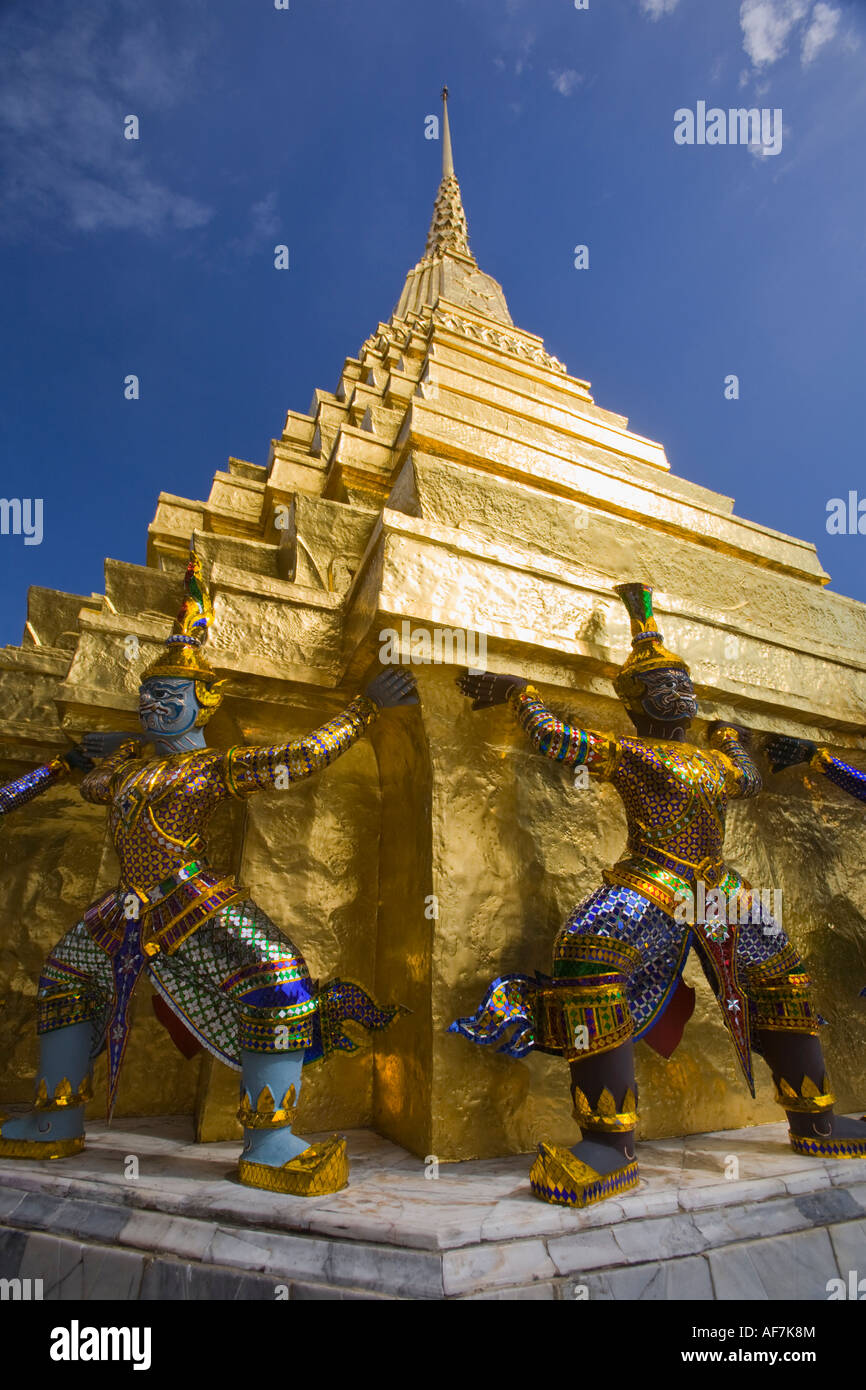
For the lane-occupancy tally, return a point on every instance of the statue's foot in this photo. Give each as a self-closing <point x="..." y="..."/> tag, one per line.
<point x="578" y="1177"/>
<point x="314" y="1172"/>
<point x="832" y="1136"/>
<point x="43" y="1134"/>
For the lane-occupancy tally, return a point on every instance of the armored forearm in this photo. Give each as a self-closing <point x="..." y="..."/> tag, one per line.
<point x="844" y="776"/>
<point x="742" y="778"/>
<point x="560" y="741"/>
<point x="96" y="786"/>
<point x="32" y="784"/>
<point x="253" y="769"/>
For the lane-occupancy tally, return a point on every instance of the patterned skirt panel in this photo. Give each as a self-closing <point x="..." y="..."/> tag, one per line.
<point x="76" y="984"/>
<point x="239" y="984"/>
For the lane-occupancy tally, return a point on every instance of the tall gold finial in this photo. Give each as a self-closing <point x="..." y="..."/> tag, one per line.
<point x="448" y="269"/>
<point x="448" y="230"/>
<point x="447" y="157"/>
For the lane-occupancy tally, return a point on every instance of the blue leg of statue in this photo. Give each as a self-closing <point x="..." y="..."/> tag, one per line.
<point x="274" y="1157"/>
<point x="278" y="1075"/>
<point x="54" y="1128"/>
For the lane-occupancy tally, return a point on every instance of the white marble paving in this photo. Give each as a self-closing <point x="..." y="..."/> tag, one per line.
<point x="183" y="1226"/>
<point x="390" y="1200"/>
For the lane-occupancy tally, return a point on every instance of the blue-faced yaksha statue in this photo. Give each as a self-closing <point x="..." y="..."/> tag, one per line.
<point x="618" y="960"/>
<point x="222" y="968"/>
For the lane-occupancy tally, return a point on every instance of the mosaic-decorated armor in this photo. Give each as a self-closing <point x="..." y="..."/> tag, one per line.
<point x="618" y="959"/>
<point x="226" y="974"/>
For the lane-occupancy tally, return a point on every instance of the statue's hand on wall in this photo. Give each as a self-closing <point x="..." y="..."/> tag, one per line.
<point x="488" y="689"/>
<point x="77" y="758"/>
<point x="785" y="752"/>
<point x="393" y="686"/>
<point x="101" y="744"/>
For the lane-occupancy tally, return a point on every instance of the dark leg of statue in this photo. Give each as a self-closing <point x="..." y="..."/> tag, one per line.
<point x="607" y="1129"/>
<point x="797" y="1063"/>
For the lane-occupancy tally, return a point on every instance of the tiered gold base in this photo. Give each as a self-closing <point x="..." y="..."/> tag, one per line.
<point x="320" y="1169"/>
<point x="557" y="1176"/>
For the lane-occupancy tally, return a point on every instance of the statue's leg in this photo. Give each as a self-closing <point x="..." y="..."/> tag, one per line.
<point x="797" y="1063"/>
<point x="604" y="1091"/>
<point x="274" y="1157"/>
<point x="244" y="959"/>
<point x="603" y="1087"/>
<point x="597" y="961"/>
<point x="72" y="1005"/>
<point x="785" y="1027"/>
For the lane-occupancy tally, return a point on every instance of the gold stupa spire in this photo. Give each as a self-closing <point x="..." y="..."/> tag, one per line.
<point x="448" y="269"/>
<point x="447" y="156"/>
<point x="448" y="229"/>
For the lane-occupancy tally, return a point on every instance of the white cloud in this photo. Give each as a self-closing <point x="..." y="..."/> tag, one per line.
<point x="66" y="85"/>
<point x="656" y="8"/>
<point x="822" y="28"/>
<point x="767" y="27"/>
<point x="263" y="216"/>
<point x="264" y="225"/>
<point x="565" y="81"/>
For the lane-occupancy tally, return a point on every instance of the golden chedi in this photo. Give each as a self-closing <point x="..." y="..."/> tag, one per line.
<point x="458" y="479"/>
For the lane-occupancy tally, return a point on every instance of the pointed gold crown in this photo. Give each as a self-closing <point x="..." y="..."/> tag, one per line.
<point x="648" y="652"/>
<point x="182" y="658"/>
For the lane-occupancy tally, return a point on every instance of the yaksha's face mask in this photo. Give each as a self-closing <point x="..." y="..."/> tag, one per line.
<point x="670" y="695"/>
<point x="168" y="706"/>
<point x="179" y="690"/>
<point x="653" y="682"/>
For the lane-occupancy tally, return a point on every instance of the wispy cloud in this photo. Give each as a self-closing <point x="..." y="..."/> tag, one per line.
<point x="264" y="225"/>
<point x="67" y="81"/>
<point x="769" y="25"/>
<point x="656" y="8"/>
<point x="823" y="26"/>
<point x="564" y="81"/>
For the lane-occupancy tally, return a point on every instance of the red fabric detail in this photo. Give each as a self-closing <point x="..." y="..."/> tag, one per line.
<point x="666" y="1035"/>
<point x="179" y="1034"/>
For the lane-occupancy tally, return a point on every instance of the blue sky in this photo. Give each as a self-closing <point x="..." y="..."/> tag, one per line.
<point x="306" y="127"/>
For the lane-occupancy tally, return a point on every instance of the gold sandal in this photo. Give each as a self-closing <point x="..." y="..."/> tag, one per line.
<point x="320" y="1169"/>
<point x="557" y="1176"/>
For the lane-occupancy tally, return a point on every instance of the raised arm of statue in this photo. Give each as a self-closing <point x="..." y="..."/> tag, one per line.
<point x="787" y="752"/>
<point x="251" y="769"/>
<point x="848" y="778"/>
<point x="597" y="752"/>
<point x="32" y="784"/>
<point x="742" y="778"/>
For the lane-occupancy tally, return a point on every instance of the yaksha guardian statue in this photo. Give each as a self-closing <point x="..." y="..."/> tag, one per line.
<point x="226" y="973"/>
<point x="618" y="959"/>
